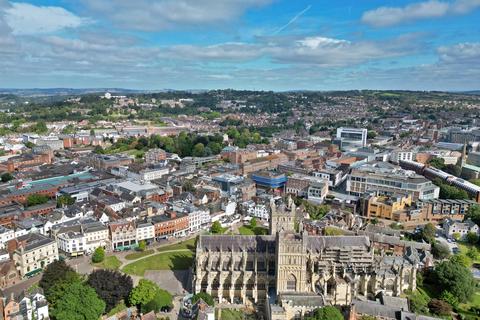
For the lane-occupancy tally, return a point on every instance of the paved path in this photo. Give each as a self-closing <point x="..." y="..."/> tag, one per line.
<point x="125" y="261"/>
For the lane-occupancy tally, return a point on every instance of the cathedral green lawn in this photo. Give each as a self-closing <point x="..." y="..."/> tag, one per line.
<point x="179" y="260"/>
<point x="110" y="262"/>
<point x="187" y="244"/>
<point x="138" y="254"/>
<point x="249" y="231"/>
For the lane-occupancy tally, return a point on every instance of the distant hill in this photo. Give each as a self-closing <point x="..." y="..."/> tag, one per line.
<point x="68" y="91"/>
<point x="476" y="92"/>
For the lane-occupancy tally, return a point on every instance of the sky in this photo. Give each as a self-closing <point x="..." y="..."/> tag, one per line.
<point x="241" y="44"/>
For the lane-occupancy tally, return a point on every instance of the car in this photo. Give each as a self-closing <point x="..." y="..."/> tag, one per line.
<point x="449" y="240"/>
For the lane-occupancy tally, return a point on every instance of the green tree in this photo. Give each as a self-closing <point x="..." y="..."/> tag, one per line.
<point x="418" y="302"/>
<point x="7" y="176"/>
<point x="473" y="213"/>
<point x="40" y="127"/>
<point x="472" y="238"/>
<point x="198" y="150"/>
<point x="111" y="286"/>
<point x="440" y="250"/>
<point x="65" y="200"/>
<point x="428" y="233"/>
<point x="371" y="134"/>
<point x="462" y="259"/>
<point x="162" y="299"/>
<point x="216" y="228"/>
<point x="142" y="245"/>
<point x="448" y="297"/>
<point x="456" y="236"/>
<point x="450" y="192"/>
<point x="326" y="313"/>
<point x="78" y="302"/>
<point x="454" y="277"/>
<point x="56" y="272"/>
<point x="143" y="293"/>
<point x="438" y="163"/>
<point x="208" y="299"/>
<point x="473" y="253"/>
<point x="98" y="150"/>
<point x="98" y="255"/>
<point x="253" y="223"/>
<point x="36" y="199"/>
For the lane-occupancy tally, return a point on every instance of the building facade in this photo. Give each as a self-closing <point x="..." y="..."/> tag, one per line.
<point x="287" y="268"/>
<point x="33" y="252"/>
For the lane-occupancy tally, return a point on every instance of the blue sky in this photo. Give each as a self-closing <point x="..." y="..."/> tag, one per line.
<point x="242" y="44"/>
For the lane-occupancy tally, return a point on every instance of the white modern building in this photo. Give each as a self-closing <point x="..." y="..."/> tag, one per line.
<point x="398" y="155"/>
<point x="145" y="231"/>
<point x="352" y="137"/>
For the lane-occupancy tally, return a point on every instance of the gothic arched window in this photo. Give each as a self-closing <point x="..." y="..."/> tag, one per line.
<point x="291" y="283"/>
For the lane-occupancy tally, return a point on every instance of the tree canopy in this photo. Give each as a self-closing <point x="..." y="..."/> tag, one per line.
<point x="216" y="228"/>
<point x="77" y="302"/>
<point x="98" y="255"/>
<point x="454" y="277"/>
<point x="473" y="213"/>
<point x="143" y="293"/>
<point x="36" y="199"/>
<point x="326" y="313"/>
<point x="111" y="286"/>
<point x="55" y="272"/>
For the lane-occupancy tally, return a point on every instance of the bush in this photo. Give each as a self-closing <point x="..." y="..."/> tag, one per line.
<point x="326" y="313"/>
<point x="450" y="299"/>
<point x="99" y="255"/>
<point x="7" y="176"/>
<point x="418" y="302"/>
<point x="142" y="245"/>
<point x="440" y="307"/>
<point x="205" y="297"/>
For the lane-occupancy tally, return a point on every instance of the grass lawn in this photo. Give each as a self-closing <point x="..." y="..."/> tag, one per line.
<point x="119" y="307"/>
<point x="465" y="307"/>
<point x="138" y="254"/>
<point x="188" y="244"/>
<point x="233" y="314"/>
<point x="464" y="247"/>
<point x="161" y="261"/>
<point x="110" y="262"/>
<point x="249" y="231"/>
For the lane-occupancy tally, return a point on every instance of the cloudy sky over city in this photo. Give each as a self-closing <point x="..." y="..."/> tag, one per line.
<point x="242" y="44"/>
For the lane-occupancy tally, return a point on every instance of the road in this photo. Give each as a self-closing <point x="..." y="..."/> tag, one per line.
<point x="18" y="288"/>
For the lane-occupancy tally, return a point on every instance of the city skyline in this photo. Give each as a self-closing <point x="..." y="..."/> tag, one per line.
<point x="263" y="45"/>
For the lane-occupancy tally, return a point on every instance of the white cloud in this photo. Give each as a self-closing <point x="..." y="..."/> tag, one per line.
<point x="388" y="16"/>
<point x="147" y="15"/>
<point x="28" y="19"/>
<point x="462" y="53"/>
<point x="320" y="51"/>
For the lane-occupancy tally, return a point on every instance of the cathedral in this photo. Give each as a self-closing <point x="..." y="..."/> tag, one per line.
<point x="291" y="273"/>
